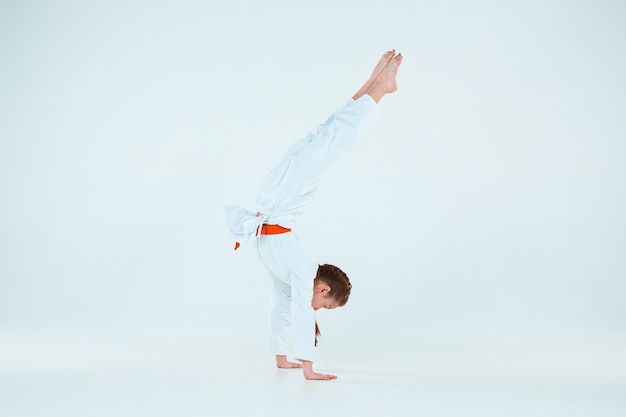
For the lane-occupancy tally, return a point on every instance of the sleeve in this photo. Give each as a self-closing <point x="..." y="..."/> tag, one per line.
<point x="302" y="269"/>
<point x="303" y="322"/>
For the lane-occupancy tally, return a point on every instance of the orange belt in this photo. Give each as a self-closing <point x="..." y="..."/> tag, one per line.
<point x="269" y="229"/>
<point x="273" y="229"/>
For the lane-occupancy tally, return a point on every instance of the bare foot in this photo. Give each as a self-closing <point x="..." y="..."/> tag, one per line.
<point x="384" y="60"/>
<point x="283" y="363"/>
<point x="389" y="74"/>
<point x="383" y="80"/>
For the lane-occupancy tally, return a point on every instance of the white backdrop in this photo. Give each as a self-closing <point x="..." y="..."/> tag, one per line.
<point x="487" y="202"/>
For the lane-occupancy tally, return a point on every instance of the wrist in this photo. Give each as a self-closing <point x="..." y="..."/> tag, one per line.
<point x="307" y="367"/>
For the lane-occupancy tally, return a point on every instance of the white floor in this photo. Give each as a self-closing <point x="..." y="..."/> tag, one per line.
<point x="44" y="377"/>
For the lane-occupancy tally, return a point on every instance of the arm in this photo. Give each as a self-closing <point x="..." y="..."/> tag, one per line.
<point x="303" y="269"/>
<point x="307" y="370"/>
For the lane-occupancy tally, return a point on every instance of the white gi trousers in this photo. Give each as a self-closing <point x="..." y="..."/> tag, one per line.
<point x="284" y="193"/>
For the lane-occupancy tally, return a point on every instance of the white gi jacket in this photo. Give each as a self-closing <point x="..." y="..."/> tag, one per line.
<point x="286" y="190"/>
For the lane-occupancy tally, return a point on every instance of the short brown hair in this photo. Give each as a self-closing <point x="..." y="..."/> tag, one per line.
<point x="338" y="282"/>
<point x="339" y="285"/>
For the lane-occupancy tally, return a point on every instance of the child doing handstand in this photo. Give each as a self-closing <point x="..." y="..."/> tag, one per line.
<point x="300" y="285"/>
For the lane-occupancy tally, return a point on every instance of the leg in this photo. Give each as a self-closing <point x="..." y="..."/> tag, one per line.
<point x="383" y="78"/>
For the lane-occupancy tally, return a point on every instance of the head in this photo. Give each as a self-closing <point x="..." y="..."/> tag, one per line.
<point x="331" y="288"/>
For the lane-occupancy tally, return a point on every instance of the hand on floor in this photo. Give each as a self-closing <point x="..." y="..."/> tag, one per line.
<point x="316" y="376"/>
<point x="283" y="363"/>
<point x="307" y="369"/>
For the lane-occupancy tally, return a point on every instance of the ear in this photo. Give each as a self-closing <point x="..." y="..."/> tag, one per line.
<point x="321" y="287"/>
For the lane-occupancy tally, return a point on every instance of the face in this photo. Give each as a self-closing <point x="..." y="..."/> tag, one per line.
<point x="321" y="298"/>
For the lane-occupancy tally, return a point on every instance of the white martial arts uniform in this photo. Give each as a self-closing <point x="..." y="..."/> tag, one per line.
<point x="286" y="190"/>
